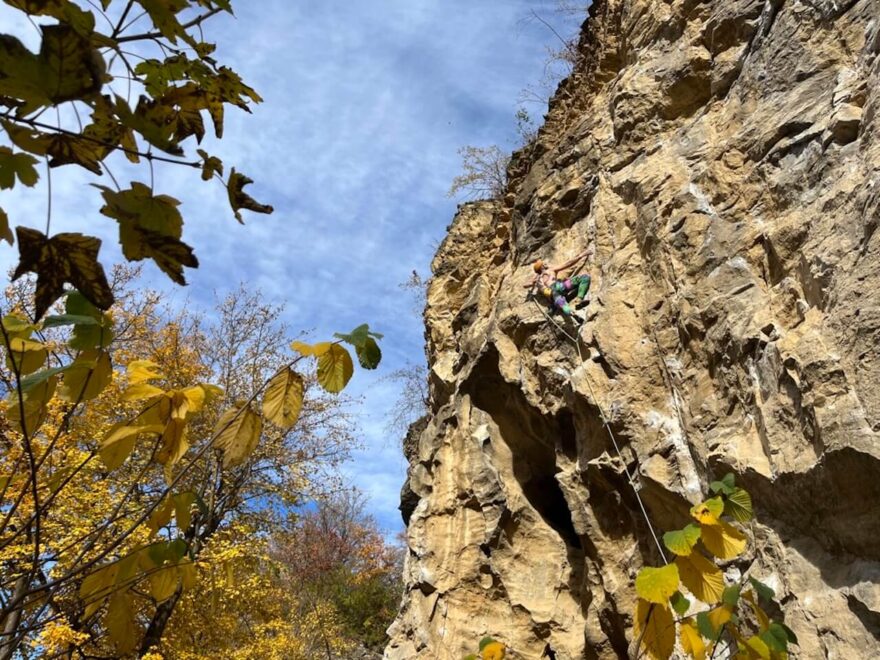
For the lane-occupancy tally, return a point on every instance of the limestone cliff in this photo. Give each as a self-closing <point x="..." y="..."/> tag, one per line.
<point x="723" y="161"/>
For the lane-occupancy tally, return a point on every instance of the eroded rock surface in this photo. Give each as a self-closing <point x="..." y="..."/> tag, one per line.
<point x="723" y="161"/>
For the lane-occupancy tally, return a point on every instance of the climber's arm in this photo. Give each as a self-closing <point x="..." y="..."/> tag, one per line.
<point x="571" y="262"/>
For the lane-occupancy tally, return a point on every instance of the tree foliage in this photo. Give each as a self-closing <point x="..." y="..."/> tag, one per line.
<point x="735" y="619"/>
<point x="133" y="77"/>
<point x="131" y="438"/>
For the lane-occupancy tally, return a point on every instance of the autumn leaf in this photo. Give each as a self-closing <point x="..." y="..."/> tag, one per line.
<point x="118" y="444"/>
<point x="238" y="199"/>
<point x="16" y="165"/>
<point x="656" y="585"/>
<point x="121" y="623"/>
<point x="5" y="230"/>
<point x="691" y="641"/>
<point x="708" y="512"/>
<point x="150" y="227"/>
<point x="283" y="399"/>
<point x="701" y="577"/>
<point x="25" y="355"/>
<point x="656" y="628"/>
<point x="87" y="376"/>
<point x="723" y="540"/>
<point x="63" y="258"/>
<point x="237" y="434"/>
<point x="316" y="350"/>
<point x="335" y="369"/>
<point x="96" y="586"/>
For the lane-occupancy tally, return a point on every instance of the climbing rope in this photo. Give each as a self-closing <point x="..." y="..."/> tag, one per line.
<point x="607" y="426"/>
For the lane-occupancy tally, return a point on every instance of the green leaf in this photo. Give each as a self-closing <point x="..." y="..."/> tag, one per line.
<point x="679" y="603"/>
<point x="731" y="595"/>
<point x="68" y="257"/>
<point x="775" y="638"/>
<point x="764" y="592"/>
<point x="13" y="165"/>
<point x="369" y="355"/>
<point x="238" y="199"/>
<point x="31" y="381"/>
<point x="682" y="541"/>
<point x="738" y="505"/>
<point x="725" y="485"/>
<point x="87" y="335"/>
<point x="789" y="633"/>
<point x="485" y="642"/>
<point x="359" y="336"/>
<point x="59" y="320"/>
<point x="704" y="625"/>
<point x="656" y="585"/>
<point x="335" y="368"/>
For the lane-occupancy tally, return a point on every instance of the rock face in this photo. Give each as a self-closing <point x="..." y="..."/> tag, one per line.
<point x="723" y="161"/>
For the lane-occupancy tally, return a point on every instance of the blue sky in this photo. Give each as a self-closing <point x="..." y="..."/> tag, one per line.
<point x="355" y="145"/>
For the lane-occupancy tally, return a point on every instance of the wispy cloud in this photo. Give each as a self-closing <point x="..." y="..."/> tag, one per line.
<point x="366" y="104"/>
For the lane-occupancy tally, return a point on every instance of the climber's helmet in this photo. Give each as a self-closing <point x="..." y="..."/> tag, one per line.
<point x="538" y="266"/>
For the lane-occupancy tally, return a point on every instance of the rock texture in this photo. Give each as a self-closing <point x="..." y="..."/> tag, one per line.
<point x="723" y="160"/>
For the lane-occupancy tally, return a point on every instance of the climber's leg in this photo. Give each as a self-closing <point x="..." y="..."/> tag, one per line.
<point x="560" y="303"/>
<point x="583" y="282"/>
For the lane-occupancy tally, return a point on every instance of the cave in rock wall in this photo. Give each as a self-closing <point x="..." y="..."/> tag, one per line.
<point x="722" y="160"/>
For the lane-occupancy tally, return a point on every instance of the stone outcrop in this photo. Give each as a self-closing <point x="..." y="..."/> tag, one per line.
<point x="722" y="159"/>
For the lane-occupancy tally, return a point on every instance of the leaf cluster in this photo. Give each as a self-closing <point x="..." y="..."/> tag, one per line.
<point x="661" y="591"/>
<point x="75" y="72"/>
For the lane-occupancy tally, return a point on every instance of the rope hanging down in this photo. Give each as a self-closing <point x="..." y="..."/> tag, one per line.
<point x="607" y="426"/>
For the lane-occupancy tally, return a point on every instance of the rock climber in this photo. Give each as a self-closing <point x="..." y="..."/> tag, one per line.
<point x="558" y="289"/>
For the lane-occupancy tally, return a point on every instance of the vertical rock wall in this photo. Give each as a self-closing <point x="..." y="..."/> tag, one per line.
<point x="723" y="161"/>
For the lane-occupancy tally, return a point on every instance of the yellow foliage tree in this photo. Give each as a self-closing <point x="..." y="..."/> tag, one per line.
<point x="114" y="480"/>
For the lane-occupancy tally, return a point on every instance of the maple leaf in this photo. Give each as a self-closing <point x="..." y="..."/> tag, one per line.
<point x="13" y="165"/>
<point x="68" y="257"/>
<point x="238" y="199"/>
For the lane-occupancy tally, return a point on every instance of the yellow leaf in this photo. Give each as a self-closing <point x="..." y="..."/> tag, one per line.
<point x="283" y="399"/>
<point x="119" y="443"/>
<point x="708" y="512"/>
<point x="758" y="648"/>
<point x="161" y="515"/>
<point x="701" y="577"/>
<point x="173" y="445"/>
<point x="188" y="575"/>
<point x="96" y="586"/>
<point x="311" y="349"/>
<point x="120" y="622"/>
<point x="33" y="413"/>
<point x="195" y="398"/>
<point x="719" y="616"/>
<point x="140" y="371"/>
<point x="335" y="369"/>
<point x="655" y="625"/>
<point x="87" y="377"/>
<point x="691" y="641"/>
<point x="237" y="433"/>
<point x="493" y="651"/>
<point x="163" y="583"/>
<point x="656" y="585"/>
<point x="723" y="540"/>
<point x="25" y="354"/>
<point x="141" y="391"/>
<point x="183" y="509"/>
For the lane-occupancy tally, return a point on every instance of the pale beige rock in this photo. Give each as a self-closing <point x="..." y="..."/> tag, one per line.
<point x="723" y="161"/>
